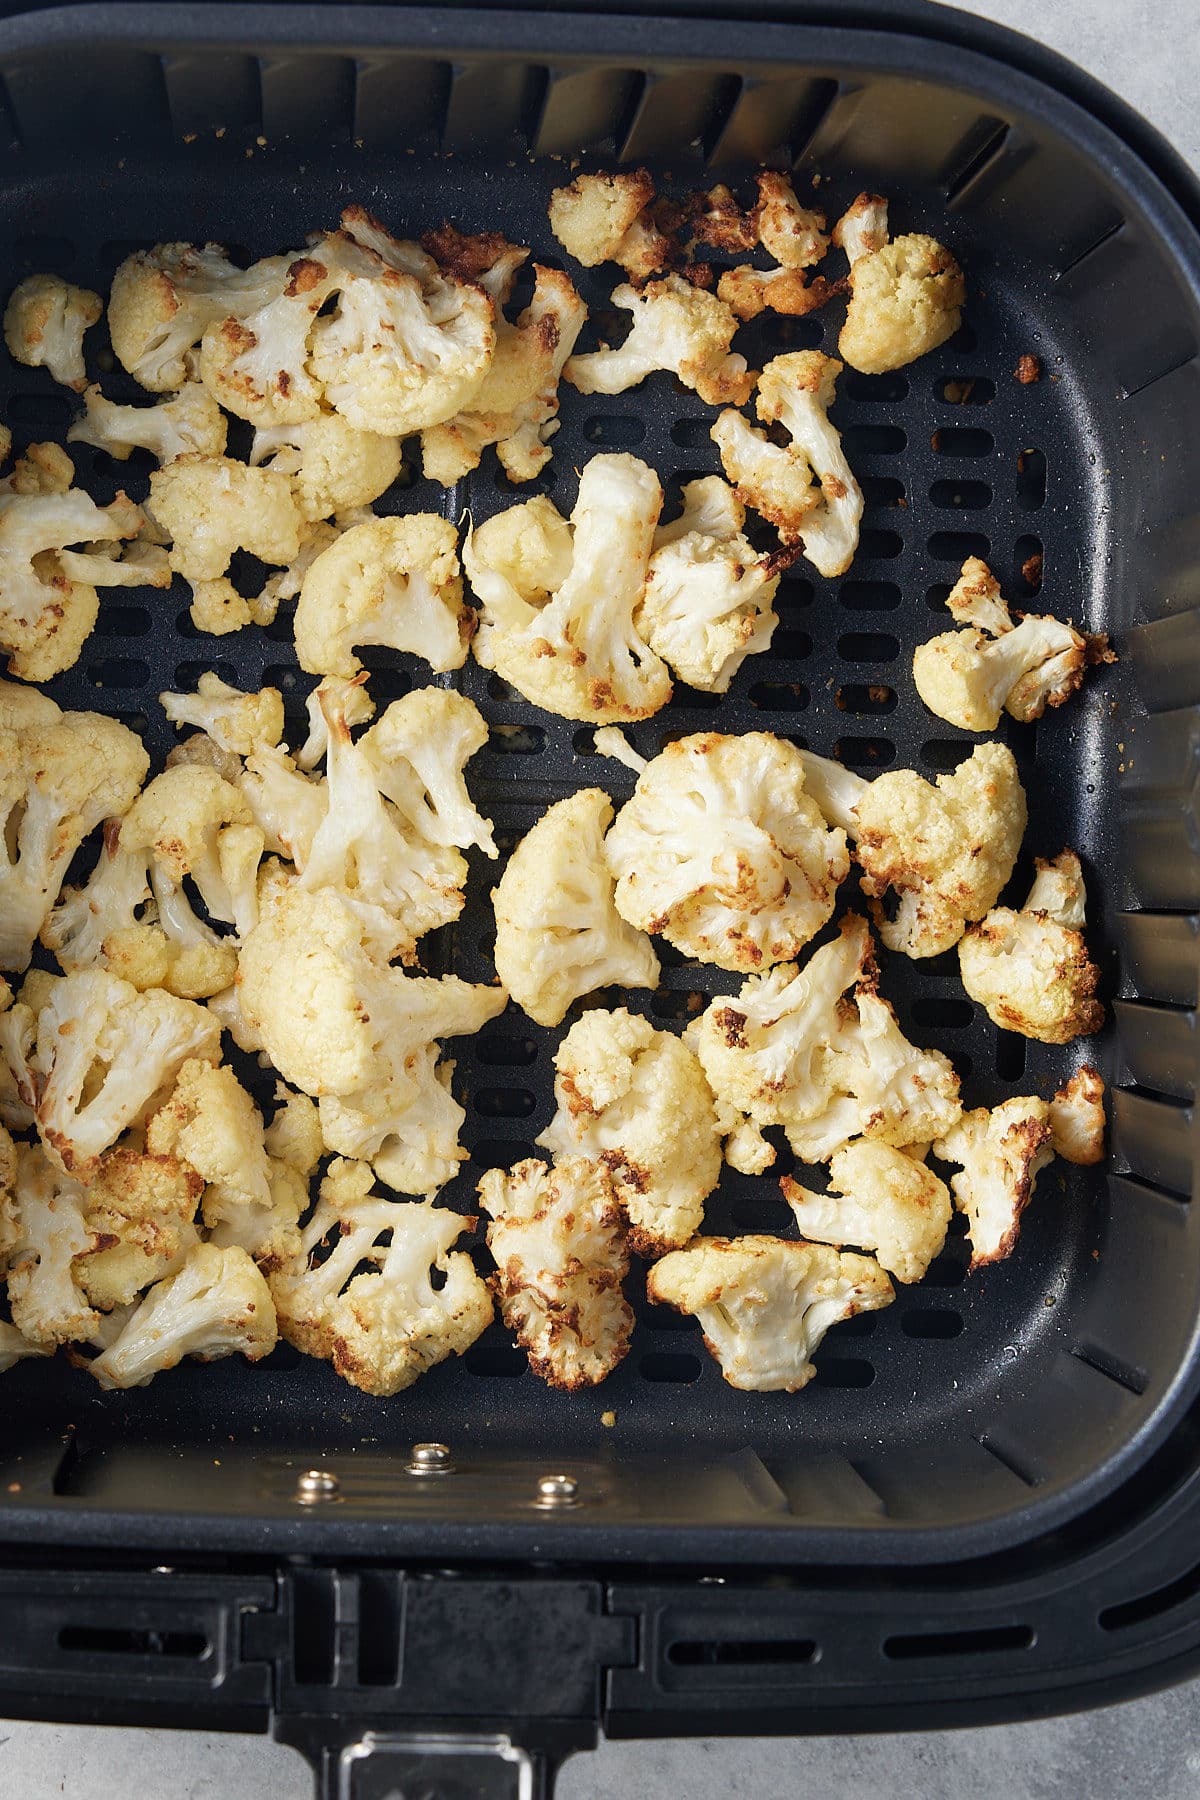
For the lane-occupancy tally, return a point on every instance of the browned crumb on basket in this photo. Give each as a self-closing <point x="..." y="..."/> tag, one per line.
<point x="957" y="393"/>
<point x="1031" y="570"/>
<point x="1028" y="369"/>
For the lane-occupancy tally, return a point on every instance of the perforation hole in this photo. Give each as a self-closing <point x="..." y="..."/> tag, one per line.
<point x="497" y="1051"/>
<point x="1030" y="559"/>
<point x="882" y="490"/>
<point x="956" y="546"/>
<point x="669" y="1365"/>
<point x="41" y="415"/>
<point x="868" y="646"/>
<point x="962" y="440"/>
<point x="1031" y="480"/>
<point x="677" y="1003"/>
<point x="284" y="676"/>
<point x="665" y="1318"/>
<point x="862" y="1325"/>
<point x="966" y="390"/>
<point x="949" y="1270"/>
<point x="880" y="546"/>
<point x="119" y="672"/>
<point x="865" y="701"/>
<point x="937" y="596"/>
<point x="878" y="389"/>
<point x="933" y="1322"/>
<point x="844" y="1372"/>
<point x="504" y="1362"/>
<point x="614" y="428"/>
<point x="499" y="689"/>
<point x="791" y="645"/>
<point x="942" y="1012"/>
<point x="865" y="752"/>
<point x="505" y="1103"/>
<point x="517" y="740"/>
<point x="501" y="1153"/>
<point x="760" y="1208"/>
<point x="869" y="596"/>
<point x="1010" y="1055"/>
<point x="694" y="699"/>
<point x="873" y="440"/>
<point x="692" y="434"/>
<point x="944" y="754"/>
<point x="123" y="621"/>
<point x="786" y="696"/>
<point x="967" y="496"/>
<point x="793" y="593"/>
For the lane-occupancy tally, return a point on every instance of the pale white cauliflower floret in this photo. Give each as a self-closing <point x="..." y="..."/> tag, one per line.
<point x="722" y="852"/>
<point x="406" y="346"/>
<point x="210" y="506"/>
<point x="190" y="423"/>
<point x="516" y="405"/>
<point x="558" y="931"/>
<point x="557" y="1239"/>
<point x="334" y="467"/>
<point x="881" y="1200"/>
<point x="606" y="218"/>
<point x="15" y="1348"/>
<point x="635" y="1099"/>
<point x="216" y="1305"/>
<point x="678" y="328"/>
<point x="236" y="722"/>
<point x="44" y="324"/>
<point x="42" y="1231"/>
<point x="382" y="1328"/>
<point x="59" y="779"/>
<point x="388" y="581"/>
<point x="764" y="1304"/>
<point x="945" y="849"/>
<point x="558" y="599"/>
<point x="706" y="605"/>
<point x="211" y="1122"/>
<point x="1030" y="970"/>
<point x="906" y="295"/>
<point x="970" y="677"/>
<point x="807" y="491"/>
<point x="341" y="1025"/>
<point x="794" y="1048"/>
<point x="162" y="300"/>
<point x="48" y="598"/>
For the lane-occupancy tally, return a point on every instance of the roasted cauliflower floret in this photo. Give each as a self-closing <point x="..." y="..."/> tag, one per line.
<point x="406" y="346"/>
<point x="607" y="218"/>
<point x="163" y="299"/>
<point x="706" y="605"/>
<point x="558" y="599"/>
<point x="48" y="599"/>
<point x="794" y="235"/>
<point x="970" y="677"/>
<point x="384" y="1328"/>
<point x="636" y="1100"/>
<point x="44" y="1231"/>
<point x="58" y="781"/>
<point x="418" y="749"/>
<point x="906" y="295"/>
<point x="14" y="1347"/>
<point x="558" y="932"/>
<point x="190" y="423"/>
<point x="765" y="1303"/>
<point x="516" y="405"/>
<point x="211" y="506"/>
<point x="557" y="1239"/>
<point x="1030" y="970"/>
<point x="1000" y="1156"/>
<point x="256" y="362"/>
<point x="807" y="490"/>
<point x="44" y="325"/>
<point x="880" y="1200"/>
<point x="389" y="581"/>
<point x="216" y="1305"/>
<point x="361" y="1037"/>
<point x="102" y="1053"/>
<point x="819" y="1052"/>
<point x="1077" y="1117"/>
<point x="212" y="1124"/>
<point x="722" y="852"/>
<point x="945" y="849"/>
<point x="141" y="1212"/>
<point x="236" y="722"/>
<point x="333" y="466"/>
<point x="676" y="327"/>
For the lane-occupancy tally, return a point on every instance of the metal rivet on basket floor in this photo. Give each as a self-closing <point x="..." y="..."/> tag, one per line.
<point x="556" y="1491"/>
<point x="431" y="1459"/>
<point x="317" y="1485"/>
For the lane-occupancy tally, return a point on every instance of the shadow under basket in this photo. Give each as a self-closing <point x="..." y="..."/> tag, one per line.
<point x="975" y="1508"/>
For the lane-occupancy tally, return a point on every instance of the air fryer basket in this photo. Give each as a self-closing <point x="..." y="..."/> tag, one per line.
<point x="974" y="1413"/>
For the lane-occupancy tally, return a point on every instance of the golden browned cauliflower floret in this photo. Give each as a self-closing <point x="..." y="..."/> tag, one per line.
<point x="141" y="1211"/>
<point x="384" y="1326"/>
<point x="558" y="1240"/>
<point x="1000" y="1155"/>
<point x="818" y="1051"/>
<point x="969" y="677"/>
<point x="765" y="1303"/>
<point x="190" y="423"/>
<point x="879" y="1199"/>
<point x="906" y="294"/>
<point x="256" y="361"/>
<point x="676" y="327"/>
<point x="163" y="299"/>
<point x="236" y="722"/>
<point x="807" y="490"/>
<point x="945" y="849"/>
<point x="44" y="323"/>
<point x="794" y="235"/>
<point x="706" y="605"/>
<point x="390" y="581"/>
<point x="635" y="1099"/>
<point x="1030" y="970"/>
<point x="558" y="599"/>
<point x="217" y="1304"/>
<point x="558" y="932"/>
<point x="406" y="345"/>
<point x="722" y="852"/>
<point x="60" y="777"/>
<point x="43" y="1233"/>
<point x="210" y="506"/>
<point x="1077" y="1117"/>
<point x="516" y="405"/>
<point x="334" y="467"/>
<point x="607" y="218"/>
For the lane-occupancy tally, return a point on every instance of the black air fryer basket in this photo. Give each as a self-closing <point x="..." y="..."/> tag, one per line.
<point x="987" y="1503"/>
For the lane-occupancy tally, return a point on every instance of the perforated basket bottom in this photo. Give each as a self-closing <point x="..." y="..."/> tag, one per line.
<point x="954" y="457"/>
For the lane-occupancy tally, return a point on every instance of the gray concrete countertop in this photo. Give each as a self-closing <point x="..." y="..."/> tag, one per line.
<point x="1147" y="1750"/>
